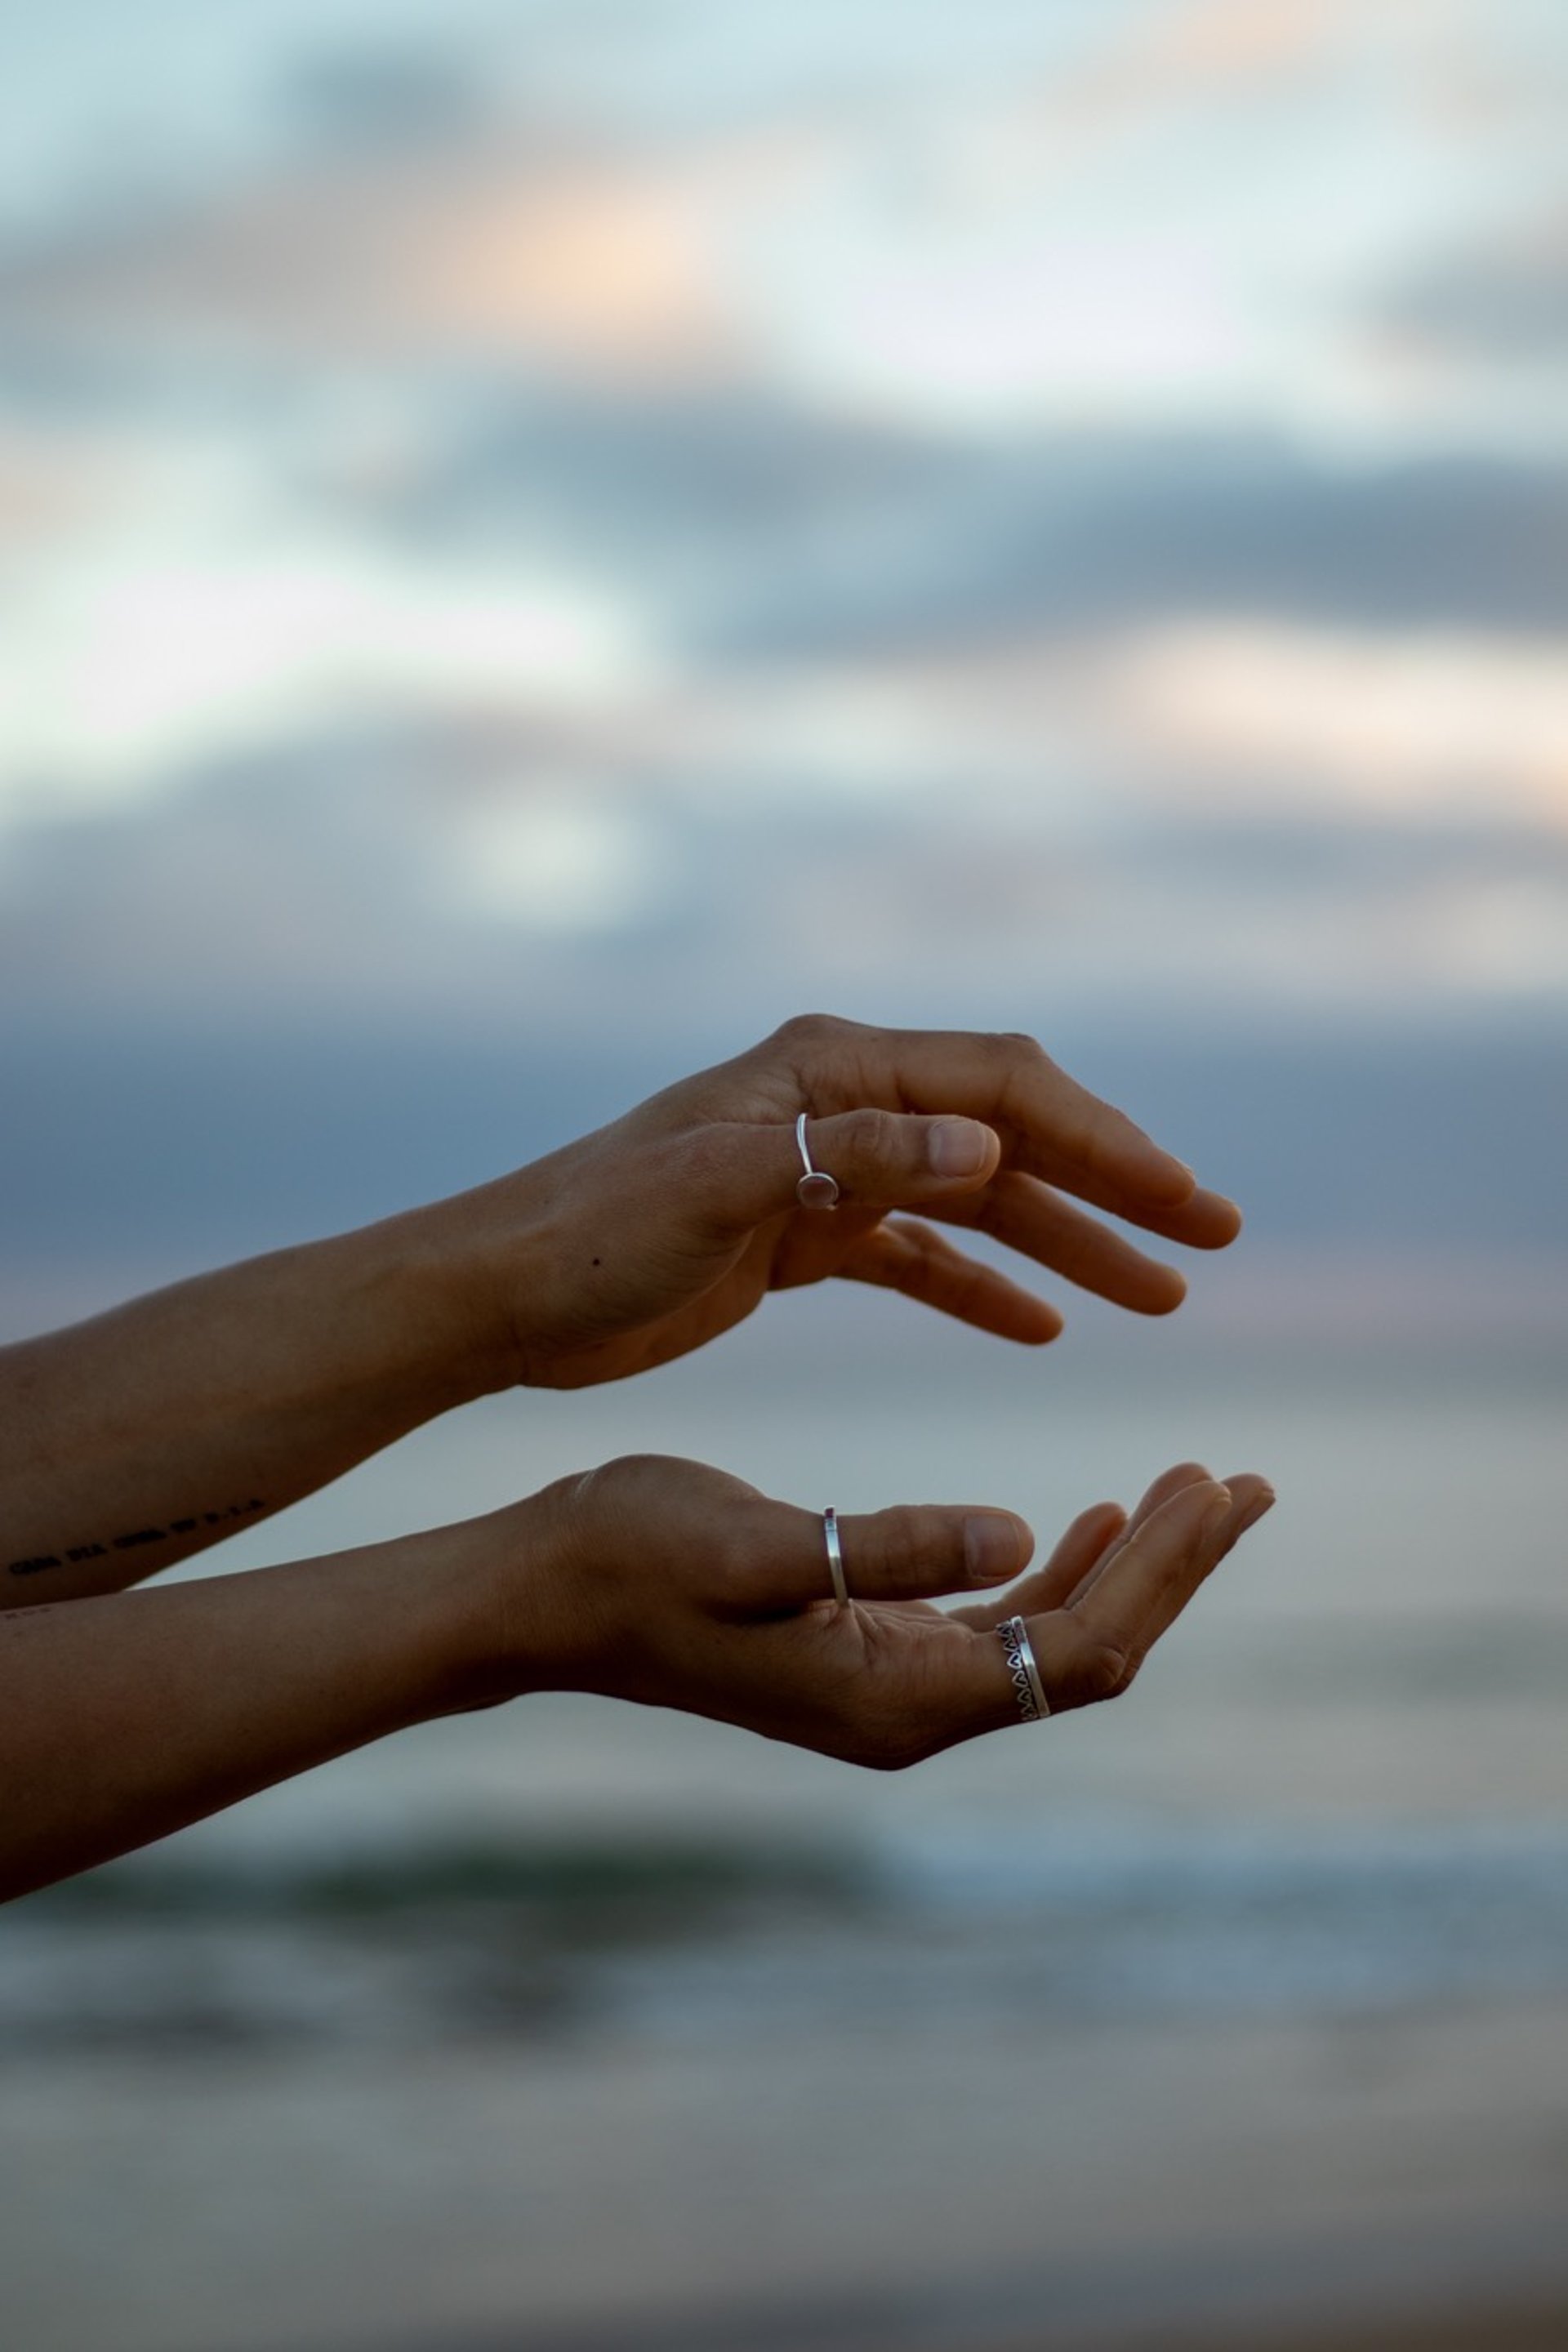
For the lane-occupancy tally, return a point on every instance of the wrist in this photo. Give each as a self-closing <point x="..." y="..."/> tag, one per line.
<point x="488" y="1263"/>
<point x="462" y="1264"/>
<point x="417" y="1623"/>
<point x="532" y="1625"/>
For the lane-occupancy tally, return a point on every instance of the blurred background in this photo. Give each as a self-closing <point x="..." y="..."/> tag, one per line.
<point x="535" y="542"/>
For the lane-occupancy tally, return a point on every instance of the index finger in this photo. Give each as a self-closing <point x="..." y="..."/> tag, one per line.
<point x="1009" y="1082"/>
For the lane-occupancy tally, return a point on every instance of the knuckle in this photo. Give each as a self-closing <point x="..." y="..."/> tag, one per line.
<point x="598" y="1492"/>
<point x="917" y="1537"/>
<point x="1104" y="1671"/>
<point x="865" y="1134"/>
<point x="618" y="1488"/>
<point x="808" y="1029"/>
<point x="896" y="1545"/>
<point x="1016" y="1045"/>
<point x="564" y="1510"/>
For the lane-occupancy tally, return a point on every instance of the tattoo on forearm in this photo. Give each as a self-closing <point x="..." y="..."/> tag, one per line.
<point x="74" y="1554"/>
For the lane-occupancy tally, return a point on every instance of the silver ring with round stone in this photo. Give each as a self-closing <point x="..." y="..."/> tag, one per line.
<point x="816" y="1189"/>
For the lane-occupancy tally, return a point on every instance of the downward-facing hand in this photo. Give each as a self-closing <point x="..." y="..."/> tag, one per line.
<point x="659" y="1232"/>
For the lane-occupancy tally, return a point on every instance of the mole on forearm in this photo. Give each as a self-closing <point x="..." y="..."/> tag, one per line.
<point x="190" y="1524"/>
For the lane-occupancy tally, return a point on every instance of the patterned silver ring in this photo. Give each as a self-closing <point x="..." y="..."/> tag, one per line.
<point x="816" y="1189"/>
<point x="835" y="1556"/>
<point x="1028" y="1688"/>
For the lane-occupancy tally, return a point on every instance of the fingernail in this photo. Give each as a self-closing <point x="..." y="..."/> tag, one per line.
<point x="958" y="1147"/>
<point x="990" y="1548"/>
<point x="1215" y="1518"/>
<point x="1255" y="1511"/>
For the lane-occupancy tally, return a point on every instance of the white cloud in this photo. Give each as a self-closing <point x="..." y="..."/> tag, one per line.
<point x="209" y="615"/>
<point x="1192" y="228"/>
<point x="1423" y="726"/>
<point x="553" y="860"/>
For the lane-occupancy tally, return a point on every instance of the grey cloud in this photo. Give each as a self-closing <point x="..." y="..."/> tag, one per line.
<point x="760" y="531"/>
<point x="1293" y="857"/>
<point x="1508" y="301"/>
<point x="350" y="98"/>
<point x="325" y="879"/>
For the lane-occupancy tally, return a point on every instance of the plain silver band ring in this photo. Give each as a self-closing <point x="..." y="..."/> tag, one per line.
<point x="1028" y="1688"/>
<point x="816" y="1189"/>
<point x="835" y="1556"/>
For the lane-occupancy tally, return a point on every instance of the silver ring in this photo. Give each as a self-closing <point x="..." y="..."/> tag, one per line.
<point x="816" y="1189"/>
<point x="1028" y="1688"/>
<point x="835" y="1556"/>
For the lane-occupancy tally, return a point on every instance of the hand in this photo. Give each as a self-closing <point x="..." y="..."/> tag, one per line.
<point x="661" y="1231"/>
<point x="673" y="1584"/>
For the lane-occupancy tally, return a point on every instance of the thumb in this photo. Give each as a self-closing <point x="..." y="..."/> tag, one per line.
<point x="884" y="1159"/>
<point x="879" y="1159"/>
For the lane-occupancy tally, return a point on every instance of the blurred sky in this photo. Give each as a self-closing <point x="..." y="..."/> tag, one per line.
<point x="536" y="540"/>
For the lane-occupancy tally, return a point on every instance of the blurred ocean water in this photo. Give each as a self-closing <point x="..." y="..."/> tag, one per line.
<point x="704" y="1944"/>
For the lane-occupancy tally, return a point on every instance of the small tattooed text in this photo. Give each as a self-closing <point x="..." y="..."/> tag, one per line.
<point x="74" y="1554"/>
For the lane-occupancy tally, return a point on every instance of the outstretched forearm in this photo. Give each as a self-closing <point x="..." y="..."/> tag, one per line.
<point x="126" y="1718"/>
<point x="149" y="1432"/>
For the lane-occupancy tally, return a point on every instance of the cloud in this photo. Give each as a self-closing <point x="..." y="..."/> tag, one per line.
<point x="202" y="608"/>
<point x="1016" y="224"/>
<point x="53" y="483"/>
<point x="759" y="529"/>
<point x="810" y="506"/>
<point x="537" y="549"/>
<point x="384" y="94"/>
<point x="555" y="861"/>
<point x="501" y="876"/>
<point x="183" y="597"/>
<point x="1251" y="715"/>
<point x="472" y="250"/>
<point x="1505" y="298"/>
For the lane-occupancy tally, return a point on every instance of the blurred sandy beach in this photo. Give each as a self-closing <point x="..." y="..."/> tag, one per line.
<point x="876" y="2192"/>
